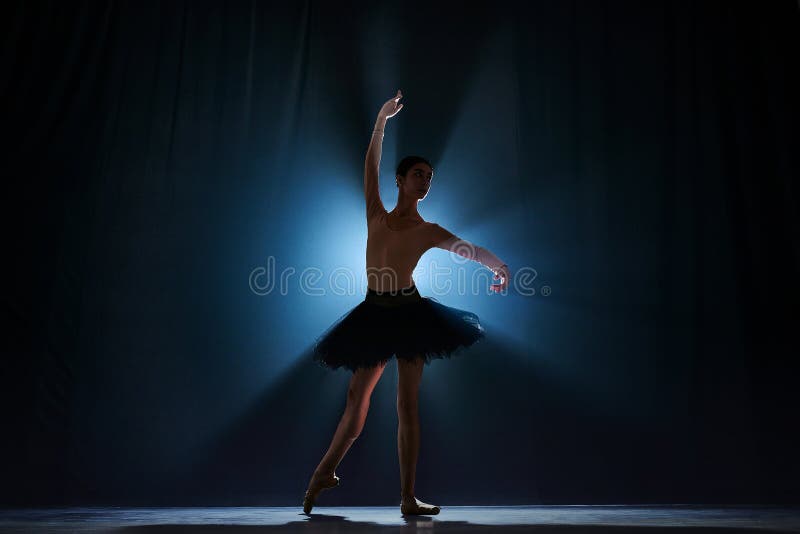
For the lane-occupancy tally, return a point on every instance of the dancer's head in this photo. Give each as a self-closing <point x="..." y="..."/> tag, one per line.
<point x="413" y="176"/>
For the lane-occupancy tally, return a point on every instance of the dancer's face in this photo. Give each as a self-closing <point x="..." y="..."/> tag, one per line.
<point x="417" y="181"/>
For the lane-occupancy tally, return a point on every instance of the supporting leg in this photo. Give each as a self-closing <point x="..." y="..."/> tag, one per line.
<point x="408" y="435"/>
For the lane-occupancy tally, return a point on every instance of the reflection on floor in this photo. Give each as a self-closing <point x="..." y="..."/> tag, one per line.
<point x="545" y="519"/>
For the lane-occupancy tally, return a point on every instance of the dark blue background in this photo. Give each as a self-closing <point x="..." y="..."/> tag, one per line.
<point x="642" y="157"/>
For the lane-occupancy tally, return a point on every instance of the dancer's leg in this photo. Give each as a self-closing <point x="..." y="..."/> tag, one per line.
<point x="408" y="434"/>
<point x="362" y="383"/>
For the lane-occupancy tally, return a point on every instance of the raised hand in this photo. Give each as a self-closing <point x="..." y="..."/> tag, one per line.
<point x="391" y="108"/>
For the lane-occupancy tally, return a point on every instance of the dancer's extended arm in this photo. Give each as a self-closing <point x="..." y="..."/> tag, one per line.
<point x="372" y="162"/>
<point x="443" y="238"/>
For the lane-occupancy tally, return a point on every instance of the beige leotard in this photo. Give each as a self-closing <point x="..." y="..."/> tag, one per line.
<point x="392" y="254"/>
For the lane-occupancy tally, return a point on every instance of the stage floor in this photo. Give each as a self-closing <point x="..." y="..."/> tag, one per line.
<point x="543" y="519"/>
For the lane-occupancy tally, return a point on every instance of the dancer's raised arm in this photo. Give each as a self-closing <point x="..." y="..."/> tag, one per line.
<point x="443" y="238"/>
<point x="373" y="160"/>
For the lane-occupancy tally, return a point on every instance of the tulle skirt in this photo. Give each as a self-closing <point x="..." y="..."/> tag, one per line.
<point x="403" y="324"/>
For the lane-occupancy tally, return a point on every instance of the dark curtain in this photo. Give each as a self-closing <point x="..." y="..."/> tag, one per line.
<point x="646" y="157"/>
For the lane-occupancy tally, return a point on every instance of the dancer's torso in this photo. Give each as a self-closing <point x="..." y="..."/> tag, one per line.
<point x="392" y="255"/>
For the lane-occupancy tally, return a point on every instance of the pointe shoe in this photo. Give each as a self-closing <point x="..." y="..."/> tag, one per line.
<point x="418" y="508"/>
<point x="315" y="488"/>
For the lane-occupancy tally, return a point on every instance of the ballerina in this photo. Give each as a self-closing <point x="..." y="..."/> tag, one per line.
<point x="394" y="319"/>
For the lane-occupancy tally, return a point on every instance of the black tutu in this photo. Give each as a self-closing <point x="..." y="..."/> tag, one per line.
<point x="403" y="324"/>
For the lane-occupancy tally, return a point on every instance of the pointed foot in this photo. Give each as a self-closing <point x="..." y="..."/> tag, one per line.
<point x="317" y="484"/>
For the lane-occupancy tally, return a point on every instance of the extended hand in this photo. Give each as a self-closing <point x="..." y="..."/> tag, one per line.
<point x="390" y="108"/>
<point x="504" y="274"/>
